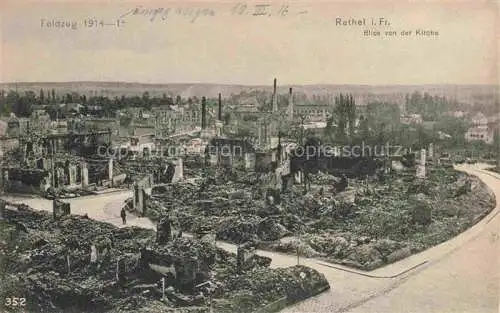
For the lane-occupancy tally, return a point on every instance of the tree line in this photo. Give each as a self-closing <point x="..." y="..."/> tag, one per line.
<point x="23" y="103"/>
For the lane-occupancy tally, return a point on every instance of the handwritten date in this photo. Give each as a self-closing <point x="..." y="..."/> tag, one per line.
<point x="192" y="14"/>
<point x="260" y="10"/>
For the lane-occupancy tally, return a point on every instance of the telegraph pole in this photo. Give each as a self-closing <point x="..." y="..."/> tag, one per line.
<point x="302" y="119"/>
<point x="163" y="288"/>
<point x="298" y="245"/>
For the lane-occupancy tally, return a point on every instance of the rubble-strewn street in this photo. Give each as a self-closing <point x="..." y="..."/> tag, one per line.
<point x="302" y="178"/>
<point x="75" y="264"/>
<point x="351" y="289"/>
<point x="366" y="226"/>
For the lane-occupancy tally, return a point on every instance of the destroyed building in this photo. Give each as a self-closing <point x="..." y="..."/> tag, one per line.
<point x="58" y="160"/>
<point x="227" y="152"/>
<point x="169" y="120"/>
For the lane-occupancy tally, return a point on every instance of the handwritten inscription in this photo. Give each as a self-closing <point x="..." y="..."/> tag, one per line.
<point x="263" y="10"/>
<point x="163" y="14"/>
<point x="194" y="13"/>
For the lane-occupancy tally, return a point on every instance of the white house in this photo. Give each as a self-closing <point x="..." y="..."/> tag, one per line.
<point x="443" y="135"/>
<point x="480" y="133"/>
<point x="458" y="114"/>
<point x="479" y="120"/>
<point x="412" y="119"/>
<point x="483" y="129"/>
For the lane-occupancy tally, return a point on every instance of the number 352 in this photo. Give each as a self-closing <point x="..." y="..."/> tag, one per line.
<point x="15" y="302"/>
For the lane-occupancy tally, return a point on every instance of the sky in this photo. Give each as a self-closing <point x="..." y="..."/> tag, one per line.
<point x="228" y="44"/>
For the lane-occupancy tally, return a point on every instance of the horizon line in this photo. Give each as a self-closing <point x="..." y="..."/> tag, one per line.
<point x="243" y="85"/>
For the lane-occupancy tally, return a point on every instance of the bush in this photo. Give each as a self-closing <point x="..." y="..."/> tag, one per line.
<point x="420" y="188"/>
<point x="421" y="211"/>
<point x="408" y="160"/>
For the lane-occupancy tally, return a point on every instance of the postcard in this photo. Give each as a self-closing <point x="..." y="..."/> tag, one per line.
<point x="249" y="156"/>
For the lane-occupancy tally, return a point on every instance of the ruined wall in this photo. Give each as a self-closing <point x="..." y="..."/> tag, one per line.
<point x="60" y="208"/>
<point x="178" y="170"/>
<point x="8" y="144"/>
<point x="350" y="166"/>
<point x="264" y="162"/>
<point x="142" y="192"/>
<point x="24" y="180"/>
<point x="102" y="124"/>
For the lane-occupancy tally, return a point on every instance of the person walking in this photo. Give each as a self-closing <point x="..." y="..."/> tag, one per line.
<point x="123" y="214"/>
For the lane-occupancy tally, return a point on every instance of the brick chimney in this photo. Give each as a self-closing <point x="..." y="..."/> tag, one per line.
<point x="274" y="100"/>
<point x="203" y="112"/>
<point x="220" y="108"/>
<point x="290" y="104"/>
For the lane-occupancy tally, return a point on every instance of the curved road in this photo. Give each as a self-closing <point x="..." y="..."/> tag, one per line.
<point x="461" y="275"/>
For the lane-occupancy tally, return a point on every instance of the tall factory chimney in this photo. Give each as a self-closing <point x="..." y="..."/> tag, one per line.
<point x="220" y="108"/>
<point x="203" y="112"/>
<point x="290" y="105"/>
<point x="274" y="100"/>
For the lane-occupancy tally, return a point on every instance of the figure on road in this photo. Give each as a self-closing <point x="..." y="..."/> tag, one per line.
<point x="123" y="214"/>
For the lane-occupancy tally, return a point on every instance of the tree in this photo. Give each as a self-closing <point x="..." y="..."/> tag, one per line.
<point x="351" y="114"/>
<point x="344" y="117"/>
<point x="424" y="137"/>
<point x="146" y="101"/>
<point x="455" y="127"/>
<point x="12" y="97"/>
<point x="330" y="129"/>
<point x="227" y="118"/>
<point x="382" y="119"/>
<point x="6" y="106"/>
<point x="496" y="145"/>
<point x="41" y="97"/>
<point x="22" y="107"/>
<point x="430" y="107"/>
<point x="53" y="92"/>
<point x="364" y="129"/>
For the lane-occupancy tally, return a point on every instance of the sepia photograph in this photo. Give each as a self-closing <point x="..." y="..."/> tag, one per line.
<point x="261" y="156"/>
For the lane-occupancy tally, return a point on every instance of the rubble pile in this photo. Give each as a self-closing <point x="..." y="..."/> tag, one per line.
<point x="394" y="220"/>
<point x="411" y="214"/>
<point x="66" y="194"/>
<point x="292" y="245"/>
<point x="188" y="248"/>
<point x="295" y="283"/>
<point x="75" y="264"/>
<point x="239" y="229"/>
